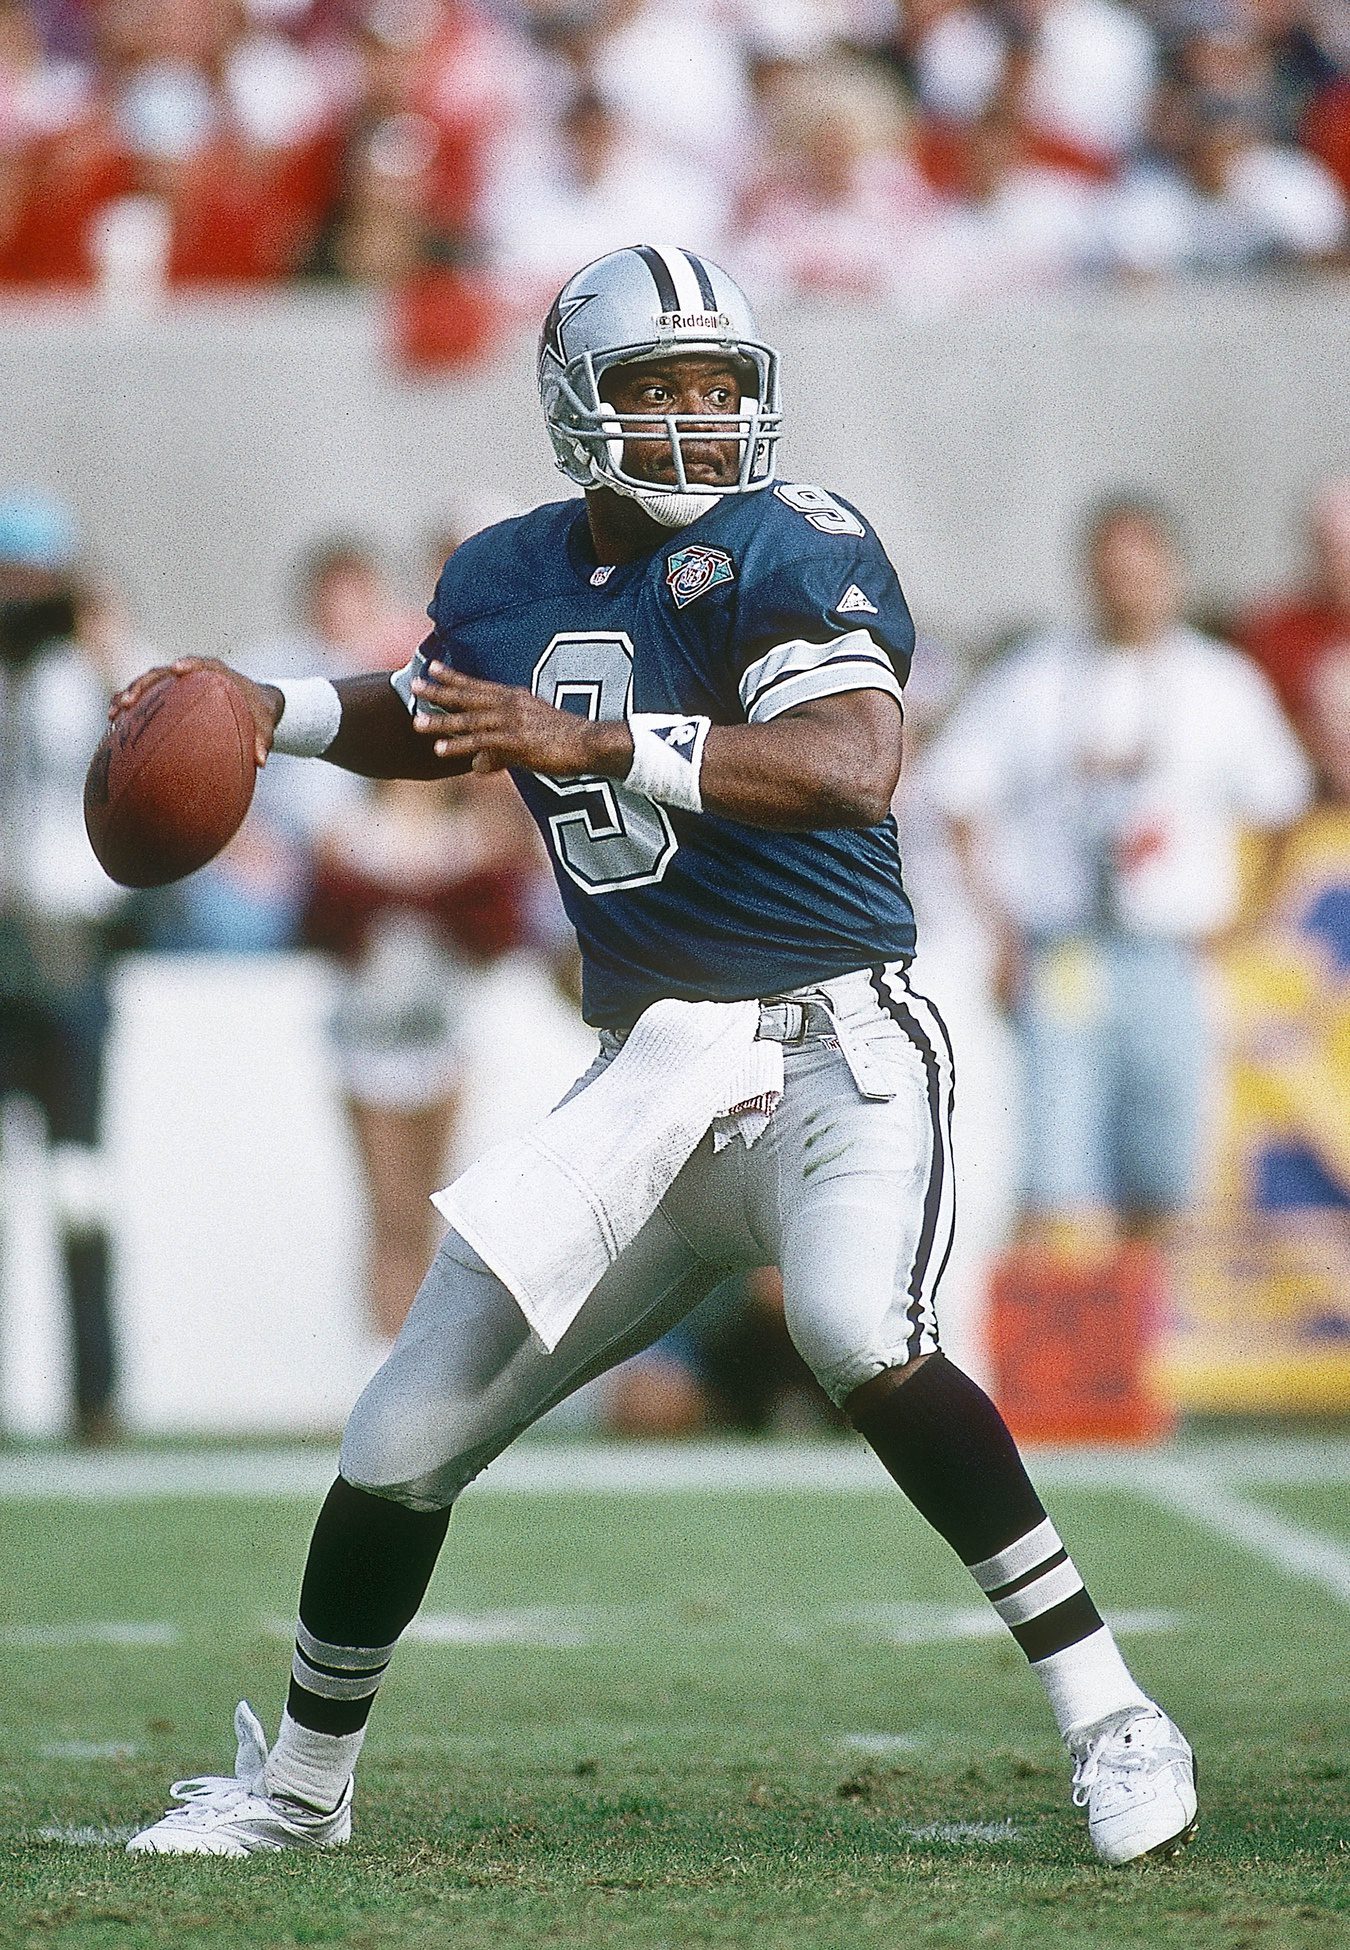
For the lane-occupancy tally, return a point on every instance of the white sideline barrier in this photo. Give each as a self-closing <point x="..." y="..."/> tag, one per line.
<point x="239" y="1295"/>
<point x="234" y="1198"/>
<point x="35" y="1354"/>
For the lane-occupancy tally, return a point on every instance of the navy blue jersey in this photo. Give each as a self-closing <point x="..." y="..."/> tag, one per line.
<point x="767" y="601"/>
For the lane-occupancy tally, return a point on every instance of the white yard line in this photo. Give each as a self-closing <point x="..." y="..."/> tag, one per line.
<point x="83" y="1834"/>
<point x="1204" y="1498"/>
<point x="135" y="1632"/>
<point x="878" y="1746"/>
<point x="920" y="1623"/>
<point x="89" y="1750"/>
<point x="961" y="1831"/>
<point x="647" y="1468"/>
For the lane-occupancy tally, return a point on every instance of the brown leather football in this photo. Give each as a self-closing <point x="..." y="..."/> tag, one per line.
<point x="172" y="780"/>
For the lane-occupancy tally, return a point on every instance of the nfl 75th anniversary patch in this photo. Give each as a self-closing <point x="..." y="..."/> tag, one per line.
<point x="692" y="571"/>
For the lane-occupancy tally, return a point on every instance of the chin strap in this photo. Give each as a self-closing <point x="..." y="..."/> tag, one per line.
<point x="670" y="508"/>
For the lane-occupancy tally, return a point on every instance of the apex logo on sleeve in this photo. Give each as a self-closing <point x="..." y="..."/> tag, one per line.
<point x="692" y="571"/>
<point x="854" y="602"/>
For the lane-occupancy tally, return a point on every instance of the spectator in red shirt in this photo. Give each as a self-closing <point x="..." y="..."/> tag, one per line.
<point x="1291" y="636"/>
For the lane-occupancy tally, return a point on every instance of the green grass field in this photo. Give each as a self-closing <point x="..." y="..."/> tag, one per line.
<point x="753" y="1716"/>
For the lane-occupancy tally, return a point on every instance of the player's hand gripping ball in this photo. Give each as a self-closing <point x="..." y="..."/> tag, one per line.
<point x="173" y="778"/>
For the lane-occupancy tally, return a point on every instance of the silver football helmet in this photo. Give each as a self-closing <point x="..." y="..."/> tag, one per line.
<point x="646" y="302"/>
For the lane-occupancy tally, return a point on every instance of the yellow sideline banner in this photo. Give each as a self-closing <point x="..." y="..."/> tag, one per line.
<point x="1261" y="1288"/>
<point x="1261" y="1316"/>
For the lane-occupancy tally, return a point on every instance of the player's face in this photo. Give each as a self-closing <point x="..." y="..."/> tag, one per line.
<point x="703" y="388"/>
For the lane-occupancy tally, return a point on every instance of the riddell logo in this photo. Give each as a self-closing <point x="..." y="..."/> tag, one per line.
<point x="692" y="321"/>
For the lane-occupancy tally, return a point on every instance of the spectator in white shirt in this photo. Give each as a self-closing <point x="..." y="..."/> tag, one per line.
<point x="1098" y="781"/>
<point x="1016" y="226"/>
<point x="1235" y="201"/>
<point x="593" y="190"/>
<point x="1092" y="67"/>
<point x="841" y="207"/>
<point x="66" y="645"/>
<point x="675" y="72"/>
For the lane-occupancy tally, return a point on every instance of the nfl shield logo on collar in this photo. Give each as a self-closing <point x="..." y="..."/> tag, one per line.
<point x="692" y="571"/>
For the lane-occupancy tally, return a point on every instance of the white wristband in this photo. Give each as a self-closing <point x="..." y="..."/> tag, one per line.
<point x="310" y="716"/>
<point x="668" y="758"/>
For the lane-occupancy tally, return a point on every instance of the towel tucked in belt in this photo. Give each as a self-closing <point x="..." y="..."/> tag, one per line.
<point x="549" y="1212"/>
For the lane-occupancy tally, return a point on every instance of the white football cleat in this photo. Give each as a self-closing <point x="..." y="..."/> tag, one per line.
<point x="1135" y="1775"/>
<point x="234" y="1814"/>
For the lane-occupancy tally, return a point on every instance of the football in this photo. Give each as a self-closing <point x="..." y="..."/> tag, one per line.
<point x="172" y="780"/>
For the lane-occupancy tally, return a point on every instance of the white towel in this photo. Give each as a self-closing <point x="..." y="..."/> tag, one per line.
<point x="551" y="1211"/>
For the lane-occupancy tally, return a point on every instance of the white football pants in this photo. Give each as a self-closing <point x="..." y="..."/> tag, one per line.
<point x="851" y="1196"/>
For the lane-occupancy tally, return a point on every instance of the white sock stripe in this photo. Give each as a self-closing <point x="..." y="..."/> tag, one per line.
<point x="1041" y="1595"/>
<point x="351" y="1658"/>
<point x="326" y="1685"/>
<point x="1020" y="1557"/>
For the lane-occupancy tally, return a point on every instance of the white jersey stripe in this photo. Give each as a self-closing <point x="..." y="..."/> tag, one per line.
<point x="840" y="674"/>
<point x="787" y="659"/>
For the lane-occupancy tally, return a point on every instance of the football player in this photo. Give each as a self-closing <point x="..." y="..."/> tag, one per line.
<point x="694" y="674"/>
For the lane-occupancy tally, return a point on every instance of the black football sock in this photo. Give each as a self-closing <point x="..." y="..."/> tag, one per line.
<point x="949" y="1449"/>
<point x="370" y="1562"/>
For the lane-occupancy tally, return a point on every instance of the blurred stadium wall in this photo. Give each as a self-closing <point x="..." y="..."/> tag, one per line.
<point x="204" y="447"/>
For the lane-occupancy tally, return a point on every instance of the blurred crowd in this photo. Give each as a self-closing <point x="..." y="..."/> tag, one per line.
<point x="921" y="153"/>
<point x="1108" y="809"/>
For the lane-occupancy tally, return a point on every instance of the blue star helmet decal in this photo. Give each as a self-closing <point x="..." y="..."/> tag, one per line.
<point x="551" y="341"/>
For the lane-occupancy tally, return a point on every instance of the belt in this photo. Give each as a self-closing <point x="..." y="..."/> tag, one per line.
<point x="793" y="1022"/>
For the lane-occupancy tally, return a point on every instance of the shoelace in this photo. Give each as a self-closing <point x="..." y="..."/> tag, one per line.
<point x="220" y="1792"/>
<point x="1129" y="1758"/>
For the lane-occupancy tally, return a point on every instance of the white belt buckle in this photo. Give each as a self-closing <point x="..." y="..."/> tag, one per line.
<point x="783" y="1022"/>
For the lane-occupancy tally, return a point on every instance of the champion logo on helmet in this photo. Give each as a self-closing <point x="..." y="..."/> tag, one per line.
<point x="854" y="600"/>
<point x="691" y="572"/>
